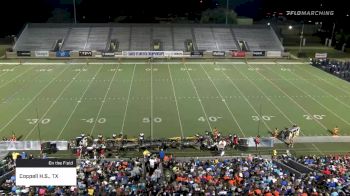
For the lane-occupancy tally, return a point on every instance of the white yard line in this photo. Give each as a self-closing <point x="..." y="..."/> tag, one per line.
<point x="331" y="95"/>
<point x="151" y="120"/>
<point x="325" y="107"/>
<point x="245" y="98"/>
<point x="269" y="99"/>
<point x="78" y="102"/>
<point x="296" y="103"/>
<point x="199" y="100"/>
<point x="6" y="83"/>
<point x="127" y="100"/>
<point x="224" y="101"/>
<point x="301" y="107"/>
<point x="320" y="78"/>
<point x="52" y="104"/>
<point x="104" y="100"/>
<point x="31" y="101"/>
<point x="177" y="107"/>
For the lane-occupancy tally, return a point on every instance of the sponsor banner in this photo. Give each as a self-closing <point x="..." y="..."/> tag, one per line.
<point x="23" y="53"/>
<point x="143" y="53"/>
<point x="63" y="53"/>
<point x="107" y="54"/>
<point x="259" y="53"/>
<point x="173" y="53"/>
<point x="29" y="145"/>
<point x="320" y="55"/>
<point x="238" y="54"/>
<point x="85" y="53"/>
<point x="42" y="53"/>
<point x="273" y="53"/>
<point x="197" y="53"/>
<point x="218" y="53"/>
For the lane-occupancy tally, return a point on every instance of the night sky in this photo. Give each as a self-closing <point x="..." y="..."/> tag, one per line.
<point x="16" y="13"/>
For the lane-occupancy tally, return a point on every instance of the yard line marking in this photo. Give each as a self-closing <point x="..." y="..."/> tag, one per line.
<point x="325" y="107"/>
<point x="104" y="99"/>
<point x="301" y="107"/>
<point x="78" y="102"/>
<point x="326" y="81"/>
<point x="48" y="84"/>
<point x="245" y="98"/>
<point x="151" y="101"/>
<point x="293" y="100"/>
<point x="127" y="100"/>
<point x="52" y="104"/>
<point x="228" y="108"/>
<point x="330" y="95"/>
<point x="177" y="107"/>
<point x="200" y="102"/>
<point x="9" y="81"/>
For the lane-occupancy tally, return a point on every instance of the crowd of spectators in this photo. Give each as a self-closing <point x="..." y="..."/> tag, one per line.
<point x="161" y="174"/>
<point x="335" y="67"/>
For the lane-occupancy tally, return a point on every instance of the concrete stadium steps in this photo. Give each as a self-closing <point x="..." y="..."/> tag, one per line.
<point x="96" y="37"/>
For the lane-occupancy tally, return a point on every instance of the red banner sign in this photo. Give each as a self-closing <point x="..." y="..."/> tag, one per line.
<point x="238" y="54"/>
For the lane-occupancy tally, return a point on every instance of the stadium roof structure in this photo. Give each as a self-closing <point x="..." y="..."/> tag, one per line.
<point x="97" y="37"/>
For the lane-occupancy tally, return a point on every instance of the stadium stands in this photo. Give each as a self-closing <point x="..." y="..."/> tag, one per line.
<point x="96" y="37"/>
<point x="161" y="174"/>
<point x="140" y="38"/>
<point x="122" y="35"/>
<point x="205" y="39"/>
<point x="39" y="38"/>
<point x="258" y="39"/>
<point x="164" y="35"/>
<point x="181" y="34"/>
<point x="224" y="39"/>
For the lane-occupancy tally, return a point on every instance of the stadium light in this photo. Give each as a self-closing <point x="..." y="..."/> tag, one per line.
<point x="301" y="37"/>
<point x="226" y="11"/>
<point x="75" y="12"/>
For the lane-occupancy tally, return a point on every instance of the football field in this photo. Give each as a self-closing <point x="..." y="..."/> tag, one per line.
<point x="60" y="101"/>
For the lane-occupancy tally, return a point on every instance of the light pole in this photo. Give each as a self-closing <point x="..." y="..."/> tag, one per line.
<point x="301" y="37"/>
<point x="75" y="13"/>
<point x="332" y="35"/>
<point x="226" y="11"/>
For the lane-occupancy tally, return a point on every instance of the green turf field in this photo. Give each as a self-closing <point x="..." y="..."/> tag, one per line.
<point x="166" y="100"/>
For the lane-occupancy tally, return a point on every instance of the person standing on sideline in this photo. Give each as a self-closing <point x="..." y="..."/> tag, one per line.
<point x="257" y="141"/>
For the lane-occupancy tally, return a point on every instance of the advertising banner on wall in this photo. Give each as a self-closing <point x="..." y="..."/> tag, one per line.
<point x="320" y="55"/>
<point x="173" y="53"/>
<point x="259" y="53"/>
<point x="197" y="53"/>
<point x="238" y="54"/>
<point x="63" y="53"/>
<point x="143" y="53"/>
<point x="23" y="53"/>
<point x="218" y="53"/>
<point x="42" y="53"/>
<point x="107" y="54"/>
<point x="85" y="53"/>
<point x="273" y="54"/>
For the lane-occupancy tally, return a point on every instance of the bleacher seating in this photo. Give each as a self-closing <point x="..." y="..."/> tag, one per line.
<point x="96" y="37"/>
<point x="39" y="38"/>
<point x="258" y="38"/>
<point x="122" y="35"/>
<point x="140" y="38"/>
<point x="77" y="39"/>
<point x="224" y="39"/>
<point x="164" y="35"/>
<point x="181" y="34"/>
<point x="205" y="39"/>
